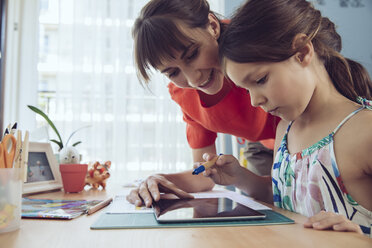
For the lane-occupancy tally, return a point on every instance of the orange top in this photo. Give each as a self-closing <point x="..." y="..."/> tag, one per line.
<point x="233" y="115"/>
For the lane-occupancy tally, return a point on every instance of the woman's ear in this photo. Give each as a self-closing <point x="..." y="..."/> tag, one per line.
<point x="214" y="26"/>
<point x="304" y="48"/>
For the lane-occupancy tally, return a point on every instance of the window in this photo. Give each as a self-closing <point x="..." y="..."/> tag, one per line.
<point x="84" y="75"/>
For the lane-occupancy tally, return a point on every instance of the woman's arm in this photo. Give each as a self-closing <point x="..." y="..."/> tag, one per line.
<point x="180" y="184"/>
<point x="189" y="182"/>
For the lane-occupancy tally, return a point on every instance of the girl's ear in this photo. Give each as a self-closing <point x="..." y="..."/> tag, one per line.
<point x="214" y="26"/>
<point x="304" y="48"/>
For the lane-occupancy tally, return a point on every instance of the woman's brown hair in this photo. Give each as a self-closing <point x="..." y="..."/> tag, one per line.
<point x="157" y="35"/>
<point x="263" y="31"/>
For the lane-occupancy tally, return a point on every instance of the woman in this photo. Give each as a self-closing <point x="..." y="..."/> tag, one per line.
<point x="180" y="39"/>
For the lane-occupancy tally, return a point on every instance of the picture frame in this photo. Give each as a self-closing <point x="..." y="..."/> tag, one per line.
<point x="42" y="169"/>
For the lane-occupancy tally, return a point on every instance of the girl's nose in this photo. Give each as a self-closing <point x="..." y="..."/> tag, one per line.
<point x="257" y="99"/>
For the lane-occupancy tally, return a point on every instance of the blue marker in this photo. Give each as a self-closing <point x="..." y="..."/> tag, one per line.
<point x="205" y="166"/>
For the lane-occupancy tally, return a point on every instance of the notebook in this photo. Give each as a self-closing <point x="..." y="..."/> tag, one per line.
<point x="55" y="209"/>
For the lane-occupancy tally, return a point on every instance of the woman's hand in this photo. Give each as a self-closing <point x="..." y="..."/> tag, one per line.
<point x="150" y="189"/>
<point x="225" y="171"/>
<point x="328" y="220"/>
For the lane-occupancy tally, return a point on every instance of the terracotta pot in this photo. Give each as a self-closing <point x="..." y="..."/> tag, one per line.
<point x="73" y="177"/>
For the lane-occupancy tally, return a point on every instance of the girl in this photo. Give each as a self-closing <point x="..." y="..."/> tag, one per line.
<point x="288" y="57"/>
<point x="180" y="39"/>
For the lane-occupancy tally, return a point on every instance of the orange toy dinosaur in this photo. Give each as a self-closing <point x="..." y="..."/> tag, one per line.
<point x="98" y="174"/>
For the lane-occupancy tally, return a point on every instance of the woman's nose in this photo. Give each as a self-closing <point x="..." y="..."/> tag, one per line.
<point x="194" y="77"/>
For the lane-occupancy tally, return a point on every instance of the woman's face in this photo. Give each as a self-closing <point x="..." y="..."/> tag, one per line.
<point x="198" y="65"/>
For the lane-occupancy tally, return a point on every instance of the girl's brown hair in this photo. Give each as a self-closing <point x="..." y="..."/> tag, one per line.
<point x="157" y="35"/>
<point x="263" y="31"/>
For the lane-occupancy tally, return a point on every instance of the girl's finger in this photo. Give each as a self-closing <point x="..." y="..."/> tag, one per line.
<point x="316" y="218"/>
<point x="207" y="173"/>
<point x="196" y="165"/>
<point x="347" y="227"/>
<point x="329" y="221"/>
<point x="225" y="159"/>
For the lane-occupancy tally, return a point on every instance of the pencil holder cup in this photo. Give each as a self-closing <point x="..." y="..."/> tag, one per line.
<point x="73" y="177"/>
<point x="10" y="199"/>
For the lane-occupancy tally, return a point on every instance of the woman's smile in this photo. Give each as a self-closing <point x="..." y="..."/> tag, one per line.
<point x="208" y="82"/>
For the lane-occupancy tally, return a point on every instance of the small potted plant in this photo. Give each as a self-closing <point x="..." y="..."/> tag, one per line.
<point x="73" y="173"/>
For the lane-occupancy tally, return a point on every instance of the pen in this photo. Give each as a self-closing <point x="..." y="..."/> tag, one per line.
<point x="205" y="166"/>
<point x="99" y="206"/>
<point x="14" y="128"/>
<point x="7" y="129"/>
<point x="18" y="153"/>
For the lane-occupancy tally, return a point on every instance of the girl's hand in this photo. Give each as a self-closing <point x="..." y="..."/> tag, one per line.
<point x="225" y="171"/>
<point x="328" y="220"/>
<point x="150" y="189"/>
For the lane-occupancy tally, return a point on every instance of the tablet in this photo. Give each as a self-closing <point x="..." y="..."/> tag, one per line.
<point x="205" y="209"/>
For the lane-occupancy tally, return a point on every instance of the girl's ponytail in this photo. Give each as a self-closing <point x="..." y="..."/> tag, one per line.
<point x="349" y="77"/>
<point x="361" y="80"/>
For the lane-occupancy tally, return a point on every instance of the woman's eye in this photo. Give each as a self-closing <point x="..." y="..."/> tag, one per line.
<point x="262" y="80"/>
<point x="173" y="74"/>
<point x="193" y="54"/>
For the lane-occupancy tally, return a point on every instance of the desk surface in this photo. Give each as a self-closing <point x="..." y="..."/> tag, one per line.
<point x="77" y="232"/>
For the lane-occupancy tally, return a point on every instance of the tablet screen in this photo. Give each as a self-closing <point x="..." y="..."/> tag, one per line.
<point x="207" y="209"/>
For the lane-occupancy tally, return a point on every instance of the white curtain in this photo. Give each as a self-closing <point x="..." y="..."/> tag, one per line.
<point x="86" y="77"/>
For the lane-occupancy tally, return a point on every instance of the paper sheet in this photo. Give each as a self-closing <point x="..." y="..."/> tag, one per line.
<point x="121" y="206"/>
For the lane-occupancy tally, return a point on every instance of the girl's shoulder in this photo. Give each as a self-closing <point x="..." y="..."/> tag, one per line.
<point x="363" y="125"/>
<point x="358" y="123"/>
<point x="357" y="136"/>
<point x="362" y="121"/>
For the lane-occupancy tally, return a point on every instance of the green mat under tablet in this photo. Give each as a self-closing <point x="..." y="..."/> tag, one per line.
<point x="147" y="220"/>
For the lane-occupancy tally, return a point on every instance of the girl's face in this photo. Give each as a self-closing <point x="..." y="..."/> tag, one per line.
<point x="198" y="65"/>
<point x="283" y="88"/>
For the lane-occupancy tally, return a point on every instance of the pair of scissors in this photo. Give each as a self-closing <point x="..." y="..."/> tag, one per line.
<point x="7" y="151"/>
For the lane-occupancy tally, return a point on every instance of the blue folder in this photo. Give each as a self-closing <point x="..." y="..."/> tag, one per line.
<point x="147" y="220"/>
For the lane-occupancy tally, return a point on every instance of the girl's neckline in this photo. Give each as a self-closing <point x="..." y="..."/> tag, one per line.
<point x="309" y="150"/>
<point x="325" y="140"/>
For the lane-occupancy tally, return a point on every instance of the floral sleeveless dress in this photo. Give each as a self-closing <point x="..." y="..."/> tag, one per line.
<point x="309" y="181"/>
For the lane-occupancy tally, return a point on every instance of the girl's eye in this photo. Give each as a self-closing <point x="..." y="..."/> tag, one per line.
<point x="262" y="80"/>
<point x="173" y="74"/>
<point x="193" y="54"/>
